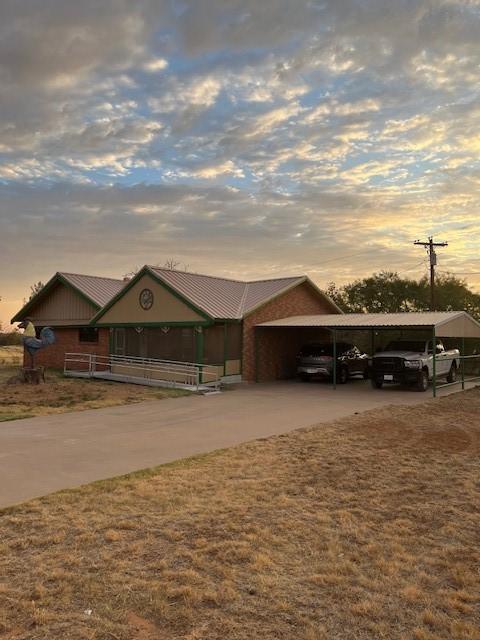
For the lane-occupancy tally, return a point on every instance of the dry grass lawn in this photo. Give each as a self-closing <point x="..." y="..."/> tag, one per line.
<point x="364" y="528"/>
<point x="11" y="356"/>
<point x="61" y="394"/>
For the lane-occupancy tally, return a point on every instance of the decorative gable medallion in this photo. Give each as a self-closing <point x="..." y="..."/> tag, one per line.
<point x="146" y="299"/>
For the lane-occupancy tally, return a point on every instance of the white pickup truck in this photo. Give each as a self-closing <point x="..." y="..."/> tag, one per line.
<point x="411" y="362"/>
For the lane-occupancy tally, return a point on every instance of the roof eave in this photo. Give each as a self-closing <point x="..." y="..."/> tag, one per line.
<point x="57" y="277"/>
<point x="299" y="281"/>
<point x="146" y="269"/>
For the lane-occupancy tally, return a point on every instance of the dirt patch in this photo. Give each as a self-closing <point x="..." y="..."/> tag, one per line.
<point x="363" y="528"/>
<point x="142" y="629"/>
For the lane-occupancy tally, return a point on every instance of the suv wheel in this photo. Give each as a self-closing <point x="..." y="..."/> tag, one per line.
<point x="422" y="382"/>
<point x="452" y="374"/>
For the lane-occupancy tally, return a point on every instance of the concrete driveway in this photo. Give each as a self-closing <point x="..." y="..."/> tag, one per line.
<point x="45" y="454"/>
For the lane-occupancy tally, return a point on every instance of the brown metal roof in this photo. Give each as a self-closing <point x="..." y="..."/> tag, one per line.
<point x="447" y="323"/>
<point x="223" y="297"/>
<point x="100" y="290"/>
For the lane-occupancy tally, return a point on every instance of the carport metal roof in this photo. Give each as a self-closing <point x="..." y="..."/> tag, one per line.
<point x="447" y="324"/>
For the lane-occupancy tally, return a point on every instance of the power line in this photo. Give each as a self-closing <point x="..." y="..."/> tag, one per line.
<point x="350" y="255"/>
<point x="411" y="268"/>
<point x="430" y="246"/>
<point x="462" y="273"/>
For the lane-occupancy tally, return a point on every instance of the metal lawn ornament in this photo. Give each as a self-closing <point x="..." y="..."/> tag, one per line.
<point x="31" y="343"/>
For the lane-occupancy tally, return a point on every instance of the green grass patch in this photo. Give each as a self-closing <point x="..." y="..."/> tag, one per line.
<point x="8" y="417"/>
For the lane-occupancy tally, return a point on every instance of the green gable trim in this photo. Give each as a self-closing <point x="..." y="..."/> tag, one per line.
<point x="117" y="296"/>
<point x="83" y="295"/>
<point x="190" y="323"/>
<point x="179" y="296"/>
<point x="56" y="279"/>
<point x="147" y="271"/>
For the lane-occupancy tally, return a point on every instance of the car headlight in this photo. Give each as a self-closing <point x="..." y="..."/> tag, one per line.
<point x="412" y="364"/>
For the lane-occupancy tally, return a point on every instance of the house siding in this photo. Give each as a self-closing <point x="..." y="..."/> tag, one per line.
<point x="62" y="306"/>
<point x="67" y="342"/>
<point x="272" y="355"/>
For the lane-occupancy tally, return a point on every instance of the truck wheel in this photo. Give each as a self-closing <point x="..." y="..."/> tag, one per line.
<point x="452" y="374"/>
<point x="343" y="375"/>
<point x="376" y="383"/>
<point x="304" y="377"/>
<point x="422" y="382"/>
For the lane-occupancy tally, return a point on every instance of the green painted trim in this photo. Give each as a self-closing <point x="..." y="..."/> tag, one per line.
<point x="118" y="295"/>
<point x="199" y="351"/>
<point x="256" y="354"/>
<point x="55" y="279"/>
<point x="241" y="349"/>
<point x="179" y="296"/>
<point x="334" y="334"/>
<point x="225" y="337"/>
<point x="147" y="271"/>
<point x="70" y="286"/>
<point x="198" y="323"/>
<point x="26" y="307"/>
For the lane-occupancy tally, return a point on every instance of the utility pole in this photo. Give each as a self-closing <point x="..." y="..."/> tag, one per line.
<point x="430" y="246"/>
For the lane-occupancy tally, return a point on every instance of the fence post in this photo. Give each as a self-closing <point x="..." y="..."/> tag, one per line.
<point x="334" y="358"/>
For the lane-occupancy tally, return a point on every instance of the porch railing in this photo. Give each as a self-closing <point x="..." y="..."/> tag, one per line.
<point x="167" y="372"/>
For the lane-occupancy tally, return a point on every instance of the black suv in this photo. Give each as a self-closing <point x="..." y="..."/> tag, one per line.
<point x="316" y="361"/>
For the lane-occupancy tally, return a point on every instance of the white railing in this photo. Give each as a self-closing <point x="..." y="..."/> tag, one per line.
<point x="169" y="372"/>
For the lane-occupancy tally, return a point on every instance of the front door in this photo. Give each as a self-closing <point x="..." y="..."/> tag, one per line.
<point x="119" y="342"/>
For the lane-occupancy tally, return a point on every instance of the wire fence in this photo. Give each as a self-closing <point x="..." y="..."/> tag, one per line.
<point x="451" y="370"/>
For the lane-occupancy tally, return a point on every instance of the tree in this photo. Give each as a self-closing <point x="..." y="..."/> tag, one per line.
<point x="35" y="288"/>
<point x="387" y="292"/>
<point x="170" y="263"/>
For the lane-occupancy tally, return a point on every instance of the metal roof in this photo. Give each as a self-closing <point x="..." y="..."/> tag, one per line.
<point x="447" y="323"/>
<point x="224" y="297"/>
<point x="98" y="289"/>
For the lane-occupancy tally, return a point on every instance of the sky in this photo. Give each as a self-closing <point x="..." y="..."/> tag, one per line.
<point x="241" y="138"/>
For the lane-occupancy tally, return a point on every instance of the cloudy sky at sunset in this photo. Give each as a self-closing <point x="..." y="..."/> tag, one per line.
<point x="241" y="137"/>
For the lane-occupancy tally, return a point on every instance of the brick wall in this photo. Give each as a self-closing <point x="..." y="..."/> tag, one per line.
<point x="67" y="341"/>
<point x="277" y="348"/>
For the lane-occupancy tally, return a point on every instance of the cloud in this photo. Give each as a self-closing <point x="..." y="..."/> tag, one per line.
<point x="273" y="132"/>
<point x="213" y="171"/>
<point x="155" y="64"/>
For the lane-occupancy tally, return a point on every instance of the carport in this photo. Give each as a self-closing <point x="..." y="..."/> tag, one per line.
<point x="277" y="338"/>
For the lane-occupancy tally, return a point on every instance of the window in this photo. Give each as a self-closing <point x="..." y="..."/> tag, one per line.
<point x="88" y="334"/>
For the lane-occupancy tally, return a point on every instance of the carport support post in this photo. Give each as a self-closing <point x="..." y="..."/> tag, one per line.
<point x="462" y="361"/>
<point x="199" y="349"/>
<point x="334" y="332"/>
<point x="434" y="351"/>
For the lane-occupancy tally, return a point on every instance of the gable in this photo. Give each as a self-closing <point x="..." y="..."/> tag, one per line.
<point x="166" y="307"/>
<point x="61" y="305"/>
